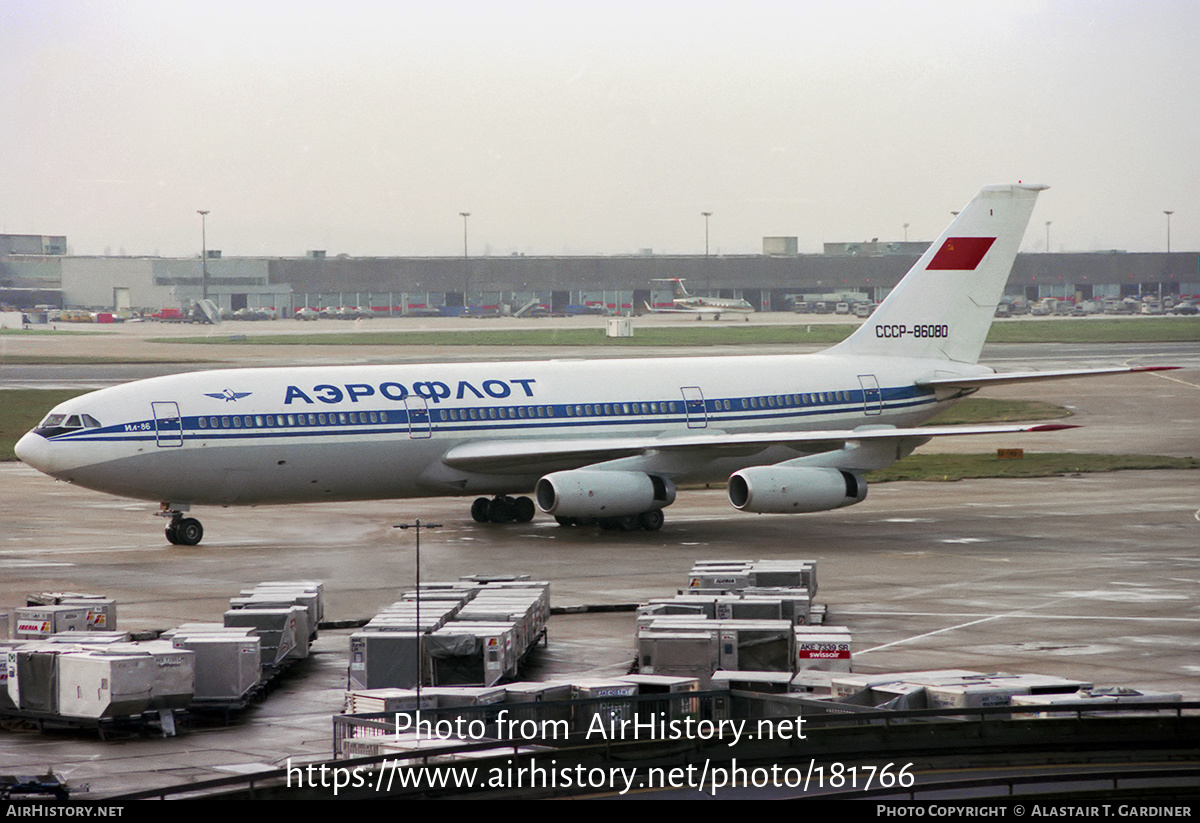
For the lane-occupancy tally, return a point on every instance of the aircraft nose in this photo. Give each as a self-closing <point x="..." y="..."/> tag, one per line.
<point x="33" y="450"/>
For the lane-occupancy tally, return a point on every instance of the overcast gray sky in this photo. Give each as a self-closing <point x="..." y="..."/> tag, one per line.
<point x="591" y="128"/>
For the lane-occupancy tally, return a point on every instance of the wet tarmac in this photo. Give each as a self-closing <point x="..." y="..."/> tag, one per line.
<point x="1090" y="576"/>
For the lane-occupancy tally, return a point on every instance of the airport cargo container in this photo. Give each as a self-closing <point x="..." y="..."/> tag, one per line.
<point x="664" y="607"/>
<point x="102" y="684"/>
<point x="384" y="659"/>
<point x="847" y="685"/>
<point x="308" y="587"/>
<point x="742" y="680"/>
<point x="678" y="653"/>
<point x="597" y="712"/>
<point x="34" y="622"/>
<point x="469" y="653"/>
<point x="756" y="645"/>
<point x="101" y="612"/>
<point x="735" y="575"/>
<point x="33" y="677"/>
<point x="174" y="671"/>
<point x="454" y="697"/>
<point x="283" y="600"/>
<point x="677" y="689"/>
<point x="281" y="630"/>
<point x="997" y="689"/>
<point x="403" y="617"/>
<point x="378" y="701"/>
<point x="822" y="647"/>
<point x="228" y="666"/>
<point x="526" y="700"/>
<point x="89" y="639"/>
<point x="1045" y="705"/>
<point x="7" y="701"/>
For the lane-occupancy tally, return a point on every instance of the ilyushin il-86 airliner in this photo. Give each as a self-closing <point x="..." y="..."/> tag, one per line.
<point x="605" y="441"/>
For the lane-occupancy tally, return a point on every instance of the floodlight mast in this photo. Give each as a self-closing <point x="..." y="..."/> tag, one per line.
<point x="418" y="525"/>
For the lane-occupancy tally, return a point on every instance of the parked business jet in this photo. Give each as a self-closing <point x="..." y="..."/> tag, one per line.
<point x="602" y="441"/>
<point x="685" y="303"/>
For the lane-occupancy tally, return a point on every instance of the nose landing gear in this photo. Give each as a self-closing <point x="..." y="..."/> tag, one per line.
<point x="181" y="531"/>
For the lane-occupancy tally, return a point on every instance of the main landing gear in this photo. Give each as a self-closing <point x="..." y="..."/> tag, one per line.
<point x="181" y="531"/>
<point x="502" y="509"/>
<point x="651" y="521"/>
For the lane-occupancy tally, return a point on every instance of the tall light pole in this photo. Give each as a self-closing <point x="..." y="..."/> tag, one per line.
<point x="466" y="265"/>
<point x="1047" y="237"/>
<point x="707" y="269"/>
<point x="418" y="525"/>
<point x="1168" y="214"/>
<point x="203" y="253"/>
<point x="905" y="232"/>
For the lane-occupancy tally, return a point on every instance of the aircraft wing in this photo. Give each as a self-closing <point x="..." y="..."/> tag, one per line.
<point x="527" y="456"/>
<point x="978" y="381"/>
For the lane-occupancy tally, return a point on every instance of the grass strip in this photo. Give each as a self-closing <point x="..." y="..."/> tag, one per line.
<point x="1082" y="330"/>
<point x="947" y="467"/>
<point x="22" y="409"/>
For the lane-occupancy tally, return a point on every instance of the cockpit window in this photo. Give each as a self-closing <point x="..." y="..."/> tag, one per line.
<point x="63" y="423"/>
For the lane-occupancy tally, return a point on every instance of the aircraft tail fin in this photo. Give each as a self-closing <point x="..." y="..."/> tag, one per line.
<point x="677" y="287"/>
<point x="944" y="306"/>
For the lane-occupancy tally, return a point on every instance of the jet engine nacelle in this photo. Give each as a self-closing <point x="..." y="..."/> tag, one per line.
<point x="794" y="489"/>
<point x="593" y="493"/>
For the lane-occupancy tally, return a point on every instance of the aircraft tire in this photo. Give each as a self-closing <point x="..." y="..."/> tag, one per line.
<point x="629" y="522"/>
<point x="567" y="522"/>
<point x="609" y="523"/>
<point x="479" y="510"/>
<point x="523" y="510"/>
<point x="500" y="510"/>
<point x="652" y="520"/>
<point x="189" y="532"/>
<point x="171" y="537"/>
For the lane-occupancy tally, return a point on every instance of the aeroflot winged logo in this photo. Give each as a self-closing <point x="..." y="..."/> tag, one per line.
<point x="228" y="395"/>
<point x="961" y="253"/>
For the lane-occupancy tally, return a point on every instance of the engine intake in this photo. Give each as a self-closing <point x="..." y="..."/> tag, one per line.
<point x="596" y="493"/>
<point x="794" y="489"/>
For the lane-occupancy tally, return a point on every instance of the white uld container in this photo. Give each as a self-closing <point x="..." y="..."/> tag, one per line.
<point x="679" y="653"/>
<point x="380" y="701"/>
<point x="227" y="665"/>
<point x="101" y="611"/>
<point x="281" y="630"/>
<point x="175" y="671"/>
<point x="35" y="622"/>
<point x="847" y="685"/>
<point x="381" y="659"/>
<point x="99" y="684"/>
<point x="823" y="647"/>
<point x="1096" y="701"/>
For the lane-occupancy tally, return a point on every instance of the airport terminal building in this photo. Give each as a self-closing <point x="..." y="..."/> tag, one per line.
<point x="36" y="270"/>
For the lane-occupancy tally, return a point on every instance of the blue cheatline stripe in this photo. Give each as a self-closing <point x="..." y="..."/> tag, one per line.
<point x="555" y="416"/>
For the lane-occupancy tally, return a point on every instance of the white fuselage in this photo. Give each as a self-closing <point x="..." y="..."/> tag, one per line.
<point x="285" y="435"/>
